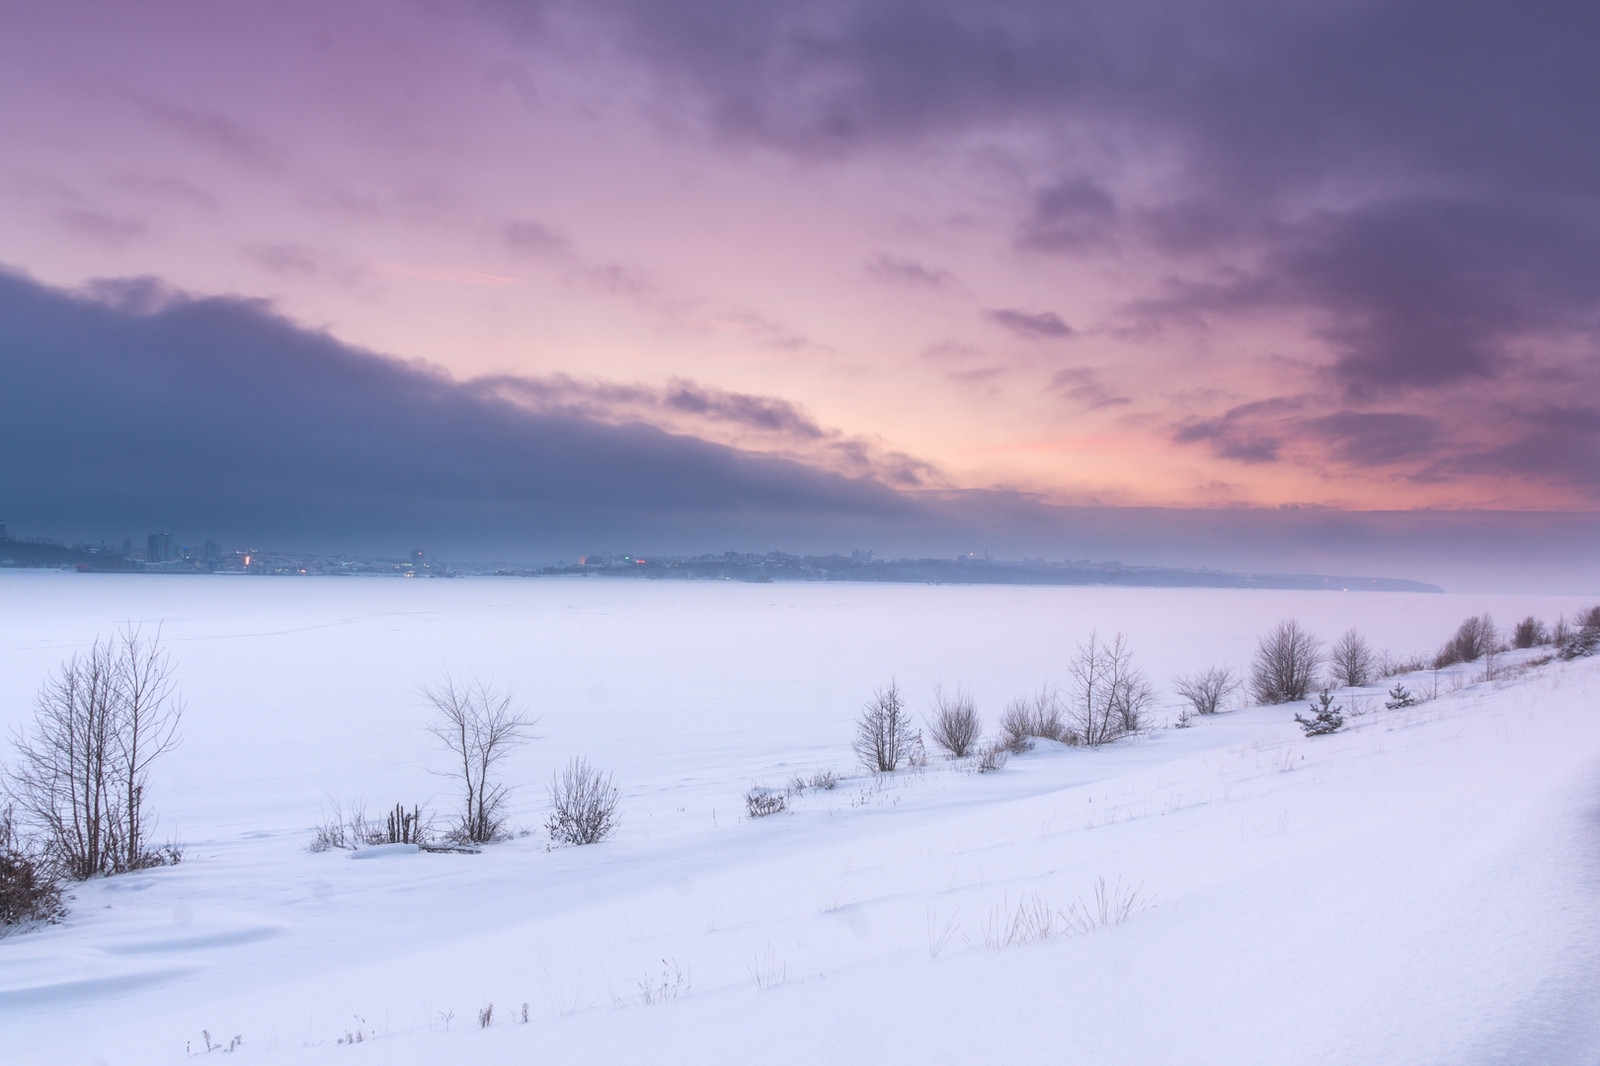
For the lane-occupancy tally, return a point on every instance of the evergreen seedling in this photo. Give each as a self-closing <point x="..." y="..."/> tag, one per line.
<point x="1328" y="717"/>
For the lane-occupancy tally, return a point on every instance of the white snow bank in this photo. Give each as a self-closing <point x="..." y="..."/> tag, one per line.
<point x="385" y="851"/>
<point x="1422" y="887"/>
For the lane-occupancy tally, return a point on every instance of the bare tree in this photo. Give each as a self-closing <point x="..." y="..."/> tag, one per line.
<point x="955" y="726"/>
<point x="1286" y="661"/>
<point x="1027" y="717"/>
<point x="82" y="773"/>
<point x="585" y="803"/>
<point x="1530" y="633"/>
<point x="149" y="713"/>
<point x="884" y="735"/>
<point x="63" y="772"/>
<point x="1351" y="661"/>
<point x="1207" y="690"/>
<point x="479" y="728"/>
<point x="1109" y="694"/>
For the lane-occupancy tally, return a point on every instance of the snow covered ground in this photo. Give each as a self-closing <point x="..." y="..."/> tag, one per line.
<point x="1423" y="887"/>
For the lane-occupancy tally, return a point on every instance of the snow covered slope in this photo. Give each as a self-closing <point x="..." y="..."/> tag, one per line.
<point x="1423" y="887"/>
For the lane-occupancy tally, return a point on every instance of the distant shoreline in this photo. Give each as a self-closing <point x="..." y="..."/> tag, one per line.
<point x="778" y="567"/>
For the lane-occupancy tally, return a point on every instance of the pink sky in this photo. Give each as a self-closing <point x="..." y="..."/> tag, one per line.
<point x="1245" y="286"/>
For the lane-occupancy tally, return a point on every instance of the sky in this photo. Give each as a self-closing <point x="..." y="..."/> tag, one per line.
<point x="930" y="275"/>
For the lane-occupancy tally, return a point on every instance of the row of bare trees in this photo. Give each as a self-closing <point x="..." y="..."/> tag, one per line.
<point x="1108" y="695"/>
<point x="1289" y="658"/>
<point x="1106" y="698"/>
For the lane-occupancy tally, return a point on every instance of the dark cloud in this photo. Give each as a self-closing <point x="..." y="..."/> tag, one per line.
<point x="760" y="412"/>
<point x="1033" y="324"/>
<point x="1265" y="430"/>
<point x="217" y="416"/>
<point x="1083" y="385"/>
<point x="1417" y="178"/>
<point x="1249" y="433"/>
<point x="527" y="237"/>
<point x="768" y="424"/>
<point x="1424" y="293"/>
<point x="1552" y="443"/>
<point x="214" y="131"/>
<point x="1376" y="439"/>
<point x="142" y="409"/>
<point x="510" y="73"/>
<point x="1258" y="95"/>
<point x="110" y="230"/>
<point x="1072" y="214"/>
<point x="898" y="270"/>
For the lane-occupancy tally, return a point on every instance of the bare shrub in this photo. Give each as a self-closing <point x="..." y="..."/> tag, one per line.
<point x="826" y="780"/>
<point x="1209" y="689"/>
<point x="992" y="757"/>
<point x="1530" y="633"/>
<point x="884" y="734"/>
<point x="917" y="753"/>
<point x="334" y="832"/>
<point x="955" y="726"/>
<point x="83" y="773"/>
<point x="760" y="802"/>
<point x="585" y="803"/>
<point x="405" y="827"/>
<point x="1473" y="639"/>
<point x="479" y="728"/>
<point x="29" y="891"/>
<point x="345" y="826"/>
<point x="1109" y="694"/>
<point x="328" y="836"/>
<point x="1029" y="717"/>
<point x="486" y="1016"/>
<point x="1351" y="662"/>
<point x="1391" y="665"/>
<point x="1286" y="661"/>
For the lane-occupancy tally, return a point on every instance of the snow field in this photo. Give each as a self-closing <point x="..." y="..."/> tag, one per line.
<point x="1419" y="888"/>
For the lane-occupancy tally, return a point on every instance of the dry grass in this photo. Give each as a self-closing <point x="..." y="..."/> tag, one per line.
<point x="1034" y="919"/>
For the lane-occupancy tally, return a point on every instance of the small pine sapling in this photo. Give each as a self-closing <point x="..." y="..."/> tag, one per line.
<point x="1327" y="717"/>
<point x="1400" y="697"/>
<point x="1583" y="638"/>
